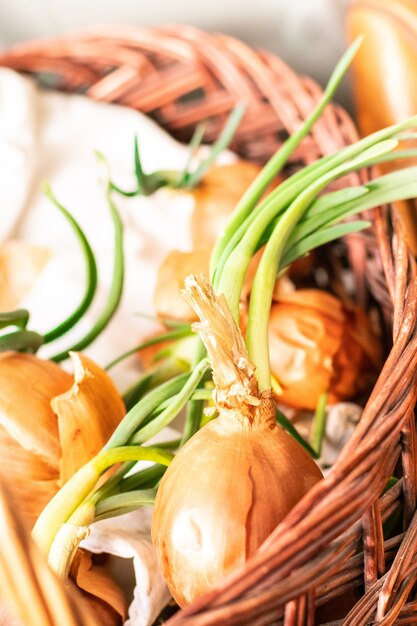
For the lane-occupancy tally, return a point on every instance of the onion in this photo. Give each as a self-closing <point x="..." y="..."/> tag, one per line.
<point x="216" y="197"/>
<point x="168" y="302"/>
<point x="177" y="265"/>
<point x="318" y="345"/>
<point x="236" y="478"/>
<point x="51" y="423"/>
<point x="105" y="598"/>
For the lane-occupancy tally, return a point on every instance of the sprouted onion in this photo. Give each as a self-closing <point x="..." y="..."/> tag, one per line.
<point x="188" y="178"/>
<point x="293" y="219"/>
<point x="209" y="520"/>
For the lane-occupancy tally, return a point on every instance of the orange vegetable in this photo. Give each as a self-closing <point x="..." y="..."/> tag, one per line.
<point x="215" y="198"/>
<point x="317" y="345"/>
<point x="51" y="423"/>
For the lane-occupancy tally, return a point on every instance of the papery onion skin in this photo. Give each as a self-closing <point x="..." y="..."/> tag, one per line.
<point x="216" y="197"/>
<point x="27" y="386"/>
<point x="236" y="478"/>
<point x="106" y="599"/>
<point x="168" y="302"/>
<point x="87" y="414"/>
<point x="223" y="494"/>
<point x="318" y="345"/>
<point x="40" y="445"/>
<point x="29" y="438"/>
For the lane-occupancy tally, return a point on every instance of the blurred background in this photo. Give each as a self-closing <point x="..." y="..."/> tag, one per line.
<point x="308" y="34"/>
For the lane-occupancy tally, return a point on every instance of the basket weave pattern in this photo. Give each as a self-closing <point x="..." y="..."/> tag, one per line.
<point x="332" y="542"/>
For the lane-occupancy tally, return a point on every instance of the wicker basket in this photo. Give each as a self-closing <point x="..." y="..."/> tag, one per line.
<point x="331" y="544"/>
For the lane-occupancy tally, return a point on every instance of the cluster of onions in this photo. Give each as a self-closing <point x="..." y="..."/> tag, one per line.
<point x="317" y="345"/>
<point x="246" y="447"/>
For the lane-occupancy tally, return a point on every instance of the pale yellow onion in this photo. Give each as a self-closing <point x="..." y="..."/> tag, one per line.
<point x="33" y="437"/>
<point x="27" y="385"/>
<point x="28" y="588"/>
<point x="32" y="481"/>
<point x="20" y="265"/>
<point x="236" y="478"/>
<point x="215" y="198"/>
<point x="168" y="301"/>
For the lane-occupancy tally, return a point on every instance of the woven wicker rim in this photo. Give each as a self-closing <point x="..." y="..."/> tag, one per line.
<point x="332" y="541"/>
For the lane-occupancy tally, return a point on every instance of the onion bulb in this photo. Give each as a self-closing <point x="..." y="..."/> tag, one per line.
<point x="236" y="478"/>
<point x="51" y="423"/>
<point x="168" y="302"/>
<point x="318" y="345"/>
<point x="177" y="265"/>
<point x="215" y="198"/>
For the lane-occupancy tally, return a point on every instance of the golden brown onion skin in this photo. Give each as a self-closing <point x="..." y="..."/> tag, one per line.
<point x="42" y="445"/>
<point x="318" y="345"/>
<point x="223" y="494"/>
<point x="168" y="301"/>
<point x="29" y="438"/>
<point x="216" y="197"/>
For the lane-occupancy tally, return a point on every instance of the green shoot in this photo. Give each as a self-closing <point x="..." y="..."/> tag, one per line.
<point x="18" y="318"/>
<point x="147" y="184"/>
<point x="178" y="333"/>
<point x="90" y="268"/>
<point x="117" y="282"/>
<point x="319" y="424"/>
